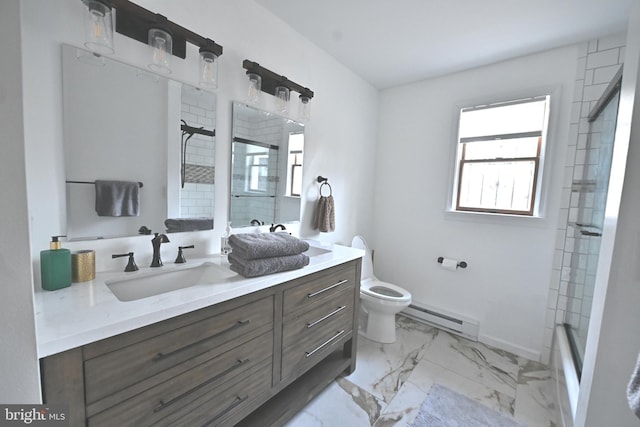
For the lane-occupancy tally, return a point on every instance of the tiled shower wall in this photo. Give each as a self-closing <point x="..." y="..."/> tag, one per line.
<point x="196" y="198"/>
<point x="598" y="62"/>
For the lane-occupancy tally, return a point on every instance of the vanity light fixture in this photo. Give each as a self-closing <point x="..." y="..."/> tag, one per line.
<point x="262" y="79"/>
<point x="282" y="94"/>
<point x="165" y="37"/>
<point x="208" y="67"/>
<point x="99" y="24"/>
<point x="255" y="87"/>
<point x="304" y="109"/>
<point x="160" y="42"/>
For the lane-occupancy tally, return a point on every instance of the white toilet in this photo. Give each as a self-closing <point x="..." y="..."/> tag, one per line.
<point x="379" y="301"/>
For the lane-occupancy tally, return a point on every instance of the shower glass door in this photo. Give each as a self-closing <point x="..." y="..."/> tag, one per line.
<point x="588" y="199"/>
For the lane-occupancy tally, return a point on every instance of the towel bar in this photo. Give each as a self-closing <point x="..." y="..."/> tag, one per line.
<point x="140" y="184"/>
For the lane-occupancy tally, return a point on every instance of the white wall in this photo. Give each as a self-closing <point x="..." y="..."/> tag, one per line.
<point x="506" y="284"/>
<point x="18" y="362"/>
<point x="340" y="141"/>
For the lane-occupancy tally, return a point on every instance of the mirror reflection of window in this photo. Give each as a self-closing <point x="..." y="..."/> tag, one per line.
<point x="257" y="171"/>
<point x="295" y="160"/>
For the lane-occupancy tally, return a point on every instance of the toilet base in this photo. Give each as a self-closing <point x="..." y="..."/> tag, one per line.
<point x="379" y="327"/>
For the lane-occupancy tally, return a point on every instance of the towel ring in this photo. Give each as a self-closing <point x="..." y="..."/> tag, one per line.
<point x="330" y="189"/>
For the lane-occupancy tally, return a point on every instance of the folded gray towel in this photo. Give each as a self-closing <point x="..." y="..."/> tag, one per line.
<point x="262" y="266"/>
<point x="117" y="198"/>
<point x="266" y="245"/>
<point x="633" y="390"/>
<point x="325" y="220"/>
<point x="175" y="225"/>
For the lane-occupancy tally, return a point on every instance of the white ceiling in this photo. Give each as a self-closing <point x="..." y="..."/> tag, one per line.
<point x="393" y="42"/>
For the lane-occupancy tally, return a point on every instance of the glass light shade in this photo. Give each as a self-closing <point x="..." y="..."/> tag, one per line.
<point x="208" y="69"/>
<point x="282" y="99"/>
<point x="304" y="108"/>
<point x="255" y="86"/>
<point x="99" y="23"/>
<point x="161" y="44"/>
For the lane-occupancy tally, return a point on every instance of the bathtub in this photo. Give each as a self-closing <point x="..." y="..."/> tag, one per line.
<point x="565" y="376"/>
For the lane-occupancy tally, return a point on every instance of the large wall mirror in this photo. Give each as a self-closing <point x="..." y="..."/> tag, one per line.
<point x="122" y="123"/>
<point x="266" y="168"/>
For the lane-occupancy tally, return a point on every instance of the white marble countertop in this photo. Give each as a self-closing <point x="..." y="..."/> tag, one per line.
<point x="87" y="312"/>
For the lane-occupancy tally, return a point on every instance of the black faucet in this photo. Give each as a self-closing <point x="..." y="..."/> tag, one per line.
<point x="156" y="241"/>
<point x="275" y="227"/>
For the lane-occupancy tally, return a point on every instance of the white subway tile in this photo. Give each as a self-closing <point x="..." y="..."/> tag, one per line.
<point x="603" y="58"/>
<point x="605" y="74"/>
<point x="613" y="41"/>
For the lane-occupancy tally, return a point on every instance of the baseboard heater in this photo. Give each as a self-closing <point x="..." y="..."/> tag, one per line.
<point x="449" y="322"/>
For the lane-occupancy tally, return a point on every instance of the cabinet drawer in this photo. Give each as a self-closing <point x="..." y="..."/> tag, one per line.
<point x="153" y="360"/>
<point x="211" y="389"/>
<point x="306" y="342"/>
<point x="319" y="287"/>
<point x="297" y="327"/>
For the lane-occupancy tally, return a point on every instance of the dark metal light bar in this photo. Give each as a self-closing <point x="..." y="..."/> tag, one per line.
<point x="270" y="80"/>
<point x="135" y="22"/>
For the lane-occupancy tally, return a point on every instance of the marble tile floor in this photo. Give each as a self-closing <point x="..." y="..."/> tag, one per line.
<point x="392" y="380"/>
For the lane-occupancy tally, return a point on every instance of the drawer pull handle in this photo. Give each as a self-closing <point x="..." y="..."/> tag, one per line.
<point x="333" y="313"/>
<point x="160" y="355"/>
<point x="341" y="282"/>
<point x="238" y="400"/>
<point x="162" y="404"/>
<point x="324" y="344"/>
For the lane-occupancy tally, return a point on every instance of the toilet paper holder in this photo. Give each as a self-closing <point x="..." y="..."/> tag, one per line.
<point x="461" y="264"/>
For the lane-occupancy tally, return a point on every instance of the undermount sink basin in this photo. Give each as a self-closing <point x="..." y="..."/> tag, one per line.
<point x="146" y="284"/>
<point x="315" y="251"/>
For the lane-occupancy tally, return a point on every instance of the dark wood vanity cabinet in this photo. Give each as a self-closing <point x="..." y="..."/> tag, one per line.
<point x="253" y="361"/>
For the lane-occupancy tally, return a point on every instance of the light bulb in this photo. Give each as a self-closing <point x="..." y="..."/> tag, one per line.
<point x="282" y="99"/>
<point x="208" y="69"/>
<point x="255" y="86"/>
<point x="99" y="27"/>
<point x="160" y="43"/>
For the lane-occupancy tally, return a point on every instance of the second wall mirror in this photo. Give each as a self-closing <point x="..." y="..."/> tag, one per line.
<point x="266" y="168"/>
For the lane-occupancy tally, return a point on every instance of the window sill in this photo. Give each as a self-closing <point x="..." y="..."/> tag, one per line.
<point x="496" y="218"/>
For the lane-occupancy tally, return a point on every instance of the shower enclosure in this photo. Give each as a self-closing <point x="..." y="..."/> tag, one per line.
<point x="586" y="217"/>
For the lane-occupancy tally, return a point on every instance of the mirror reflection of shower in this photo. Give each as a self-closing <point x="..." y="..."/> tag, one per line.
<point x="267" y="154"/>
<point x="586" y="218"/>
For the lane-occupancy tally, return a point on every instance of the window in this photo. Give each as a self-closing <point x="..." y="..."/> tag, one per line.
<point x="500" y="150"/>
<point x="294" y="163"/>
<point x="257" y="169"/>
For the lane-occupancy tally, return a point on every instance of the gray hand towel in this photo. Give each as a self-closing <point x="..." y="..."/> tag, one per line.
<point x="325" y="220"/>
<point x="175" y="225"/>
<point x="265" y="245"/>
<point x="633" y="390"/>
<point x="263" y="266"/>
<point x="117" y="198"/>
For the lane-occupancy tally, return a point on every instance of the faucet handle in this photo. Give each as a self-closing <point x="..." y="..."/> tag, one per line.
<point x="131" y="265"/>
<point x="180" y="259"/>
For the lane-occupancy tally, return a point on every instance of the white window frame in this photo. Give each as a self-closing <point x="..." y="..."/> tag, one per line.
<point x="540" y="185"/>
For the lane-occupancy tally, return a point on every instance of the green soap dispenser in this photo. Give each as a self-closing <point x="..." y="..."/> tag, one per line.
<point x="55" y="266"/>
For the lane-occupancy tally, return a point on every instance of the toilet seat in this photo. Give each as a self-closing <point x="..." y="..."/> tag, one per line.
<point x="384" y="291"/>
